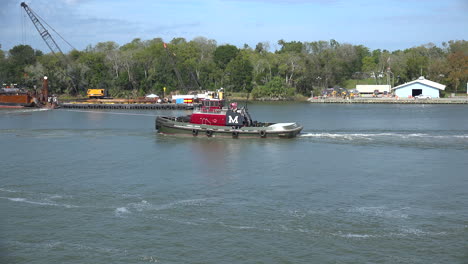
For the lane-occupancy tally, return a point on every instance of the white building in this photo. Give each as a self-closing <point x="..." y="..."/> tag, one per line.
<point x="418" y="87"/>
<point x="368" y="90"/>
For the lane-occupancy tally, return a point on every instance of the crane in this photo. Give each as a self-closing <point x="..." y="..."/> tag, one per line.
<point x="42" y="30"/>
<point x="48" y="38"/>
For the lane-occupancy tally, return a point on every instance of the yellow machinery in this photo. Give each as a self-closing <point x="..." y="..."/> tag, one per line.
<point x="96" y="93"/>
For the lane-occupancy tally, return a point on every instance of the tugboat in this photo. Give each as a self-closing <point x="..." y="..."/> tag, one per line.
<point x="215" y="119"/>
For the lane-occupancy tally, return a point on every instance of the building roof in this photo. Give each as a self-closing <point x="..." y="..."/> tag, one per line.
<point x="369" y="88"/>
<point x="423" y="81"/>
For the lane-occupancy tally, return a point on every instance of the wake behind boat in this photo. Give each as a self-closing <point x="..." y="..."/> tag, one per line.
<point x="215" y="119"/>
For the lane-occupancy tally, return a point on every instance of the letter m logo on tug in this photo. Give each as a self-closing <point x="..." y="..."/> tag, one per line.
<point x="234" y="120"/>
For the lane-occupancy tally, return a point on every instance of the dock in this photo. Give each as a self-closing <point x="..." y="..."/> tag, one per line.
<point x="385" y="100"/>
<point x="156" y="106"/>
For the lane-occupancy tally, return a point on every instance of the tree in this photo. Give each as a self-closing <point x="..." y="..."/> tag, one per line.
<point x="458" y="62"/>
<point x="293" y="46"/>
<point x="416" y="63"/>
<point x="361" y="52"/>
<point x="259" y="47"/>
<point x="97" y="71"/>
<point x="224" y="54"/>
<point x="239" y="72"/>
<point x="290" y="67"/>
<point x="19" y="57"/>
<point x="273" y="89"/>
<point x="203" y="65"/>
<point x="368" y="64"/>
<point x="3" y="67"/>
<point x="458" y="45"/>
<point x="141" y="66"/>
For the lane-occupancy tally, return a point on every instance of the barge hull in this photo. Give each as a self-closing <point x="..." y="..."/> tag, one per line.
<point x="15" y="101"/>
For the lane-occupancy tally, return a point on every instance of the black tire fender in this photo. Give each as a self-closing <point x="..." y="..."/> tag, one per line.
<point x="263" y="133"/>
<point x="195" y="132"/>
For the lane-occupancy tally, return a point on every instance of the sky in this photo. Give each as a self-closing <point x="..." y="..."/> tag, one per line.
<point x="390" y="25"/>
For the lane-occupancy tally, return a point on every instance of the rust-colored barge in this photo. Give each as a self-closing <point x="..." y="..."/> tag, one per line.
<point x="15" y="98"/>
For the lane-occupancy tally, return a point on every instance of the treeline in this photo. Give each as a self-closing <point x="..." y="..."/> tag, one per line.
<point x="142" y="67"/>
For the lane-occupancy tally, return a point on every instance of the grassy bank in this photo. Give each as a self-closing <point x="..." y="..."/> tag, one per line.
<point x="243" y="97"/>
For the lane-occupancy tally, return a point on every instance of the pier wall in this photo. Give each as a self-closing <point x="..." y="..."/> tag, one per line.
<point x="130" y="106"/>
<point x="463" y="100"/>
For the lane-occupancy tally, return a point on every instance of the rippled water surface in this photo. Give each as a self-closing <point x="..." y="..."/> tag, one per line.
<point x="361" y="184"/>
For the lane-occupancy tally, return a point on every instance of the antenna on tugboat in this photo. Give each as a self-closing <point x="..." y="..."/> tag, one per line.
<point x="248" y="94"/>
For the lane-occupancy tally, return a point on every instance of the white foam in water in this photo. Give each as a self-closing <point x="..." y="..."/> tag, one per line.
<point x="347" y="136"/>
<point x="16" y="199"/>
<point x="412" y="231"/>
<point x="29" y="202"/>
<point x="237" y="227"/>
<point x="141" y="205"/>
<point x="419" y="232"/>
<point x="185" y="222"/>
<point x="188" y="202"/>
<point x="6" y="190"/>
<point x="353" y="235"/>
<point x="121" y="211"/>
<point x="20" y="111"/>
<point x="24" y="200"/>
<point x="372" y="136"/>
<point x="380" y="211"/>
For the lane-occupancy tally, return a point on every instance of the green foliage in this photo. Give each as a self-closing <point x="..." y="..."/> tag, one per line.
<point x="274" y="89"/>
<point x="224" y="54"/>
<point x="458" y="46"/>
<point x="19" y="57"/>
<point x="459" y="69"/>
<point x="351" y="83"/>
<point x="239" y="71"/>
<point x="368" y="64"/>
<point x="293" y="46"/>
<point x="144" y="66"/>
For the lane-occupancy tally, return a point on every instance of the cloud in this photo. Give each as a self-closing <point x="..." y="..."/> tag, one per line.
<point x="85" y="22"/>
<point x="74" y="2"/>
<point x="5" y="10"/>
<point x="322" y="2"/>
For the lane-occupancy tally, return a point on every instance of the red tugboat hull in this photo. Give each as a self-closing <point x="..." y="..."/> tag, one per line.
<point x="215" y="119"/>
<point x="180" y="126"/>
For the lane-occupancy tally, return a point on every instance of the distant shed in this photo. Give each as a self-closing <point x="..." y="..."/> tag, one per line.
<point x="418" y="87"/>
<point x="365" y="89"/>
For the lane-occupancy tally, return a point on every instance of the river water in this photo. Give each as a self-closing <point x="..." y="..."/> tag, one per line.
<point x="361" y="184"/>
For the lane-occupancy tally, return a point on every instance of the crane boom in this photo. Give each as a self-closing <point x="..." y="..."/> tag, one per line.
<point x="42" y="30"/>
<point x="50" y="42"/>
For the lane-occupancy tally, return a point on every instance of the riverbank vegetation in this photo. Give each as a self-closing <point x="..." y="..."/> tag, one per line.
<point x="293" y="69"/>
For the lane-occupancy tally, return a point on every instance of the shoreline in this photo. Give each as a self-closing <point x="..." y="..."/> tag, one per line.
<point x="463" y="100"/>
